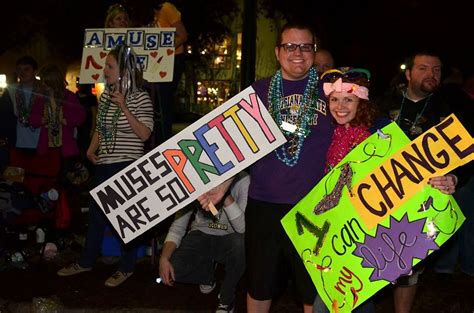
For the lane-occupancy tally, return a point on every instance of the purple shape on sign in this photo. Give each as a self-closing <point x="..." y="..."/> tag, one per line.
<point x="390" y="253"/>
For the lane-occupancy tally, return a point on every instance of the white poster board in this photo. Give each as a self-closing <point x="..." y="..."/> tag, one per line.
<point x="205" y="154"/>
<point x="154" y="48"/>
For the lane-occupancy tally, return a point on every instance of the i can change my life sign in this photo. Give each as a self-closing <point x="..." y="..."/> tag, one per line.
<point x="374" y="216"/>
<point x="205" y="154"/>
<point x="154" y="48"/>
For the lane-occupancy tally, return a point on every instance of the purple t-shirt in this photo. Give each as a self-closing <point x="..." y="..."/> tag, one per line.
<point x="272" y="180"/>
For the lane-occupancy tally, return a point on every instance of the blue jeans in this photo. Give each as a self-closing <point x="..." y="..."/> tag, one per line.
<point x="460" y="247"/>
<point x="194" y="261"/>
<point x="98" y="222"/>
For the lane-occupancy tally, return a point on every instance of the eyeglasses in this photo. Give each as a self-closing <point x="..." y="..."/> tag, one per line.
<point x="304" y="47"/>
<point x="351" y="74"/>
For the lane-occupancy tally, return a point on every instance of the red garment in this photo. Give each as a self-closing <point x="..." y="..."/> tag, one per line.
<point x="343" y="141"/>
<point x="63" y="212"/>
<point x="73" y="113"/>
<point x="41" y="170"/>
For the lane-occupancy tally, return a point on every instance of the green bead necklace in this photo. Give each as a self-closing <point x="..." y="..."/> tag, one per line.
<point x="24" y="109"/>
<point x="107" y="133"/>
<point x="289" y="153"/>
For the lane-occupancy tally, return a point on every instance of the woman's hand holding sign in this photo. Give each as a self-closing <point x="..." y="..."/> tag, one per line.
<point x="214" y="196"/>
<point x="446" y="184"/>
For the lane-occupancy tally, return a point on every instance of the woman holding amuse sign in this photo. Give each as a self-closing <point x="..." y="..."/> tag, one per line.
<point x="124" y="123"/>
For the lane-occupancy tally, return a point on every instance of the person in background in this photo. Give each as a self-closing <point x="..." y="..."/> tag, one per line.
<point x="458" y="252"/>
<point x="417" y="108"/>
<point x="117" y="17"/>
<point x="323" y="61"/>
<point x="22" y="139"/>
<point x="86" y="130"/>
<point x="57" y="114"/>
<point x="15" y="108"/>
<point x="124" y="123"/>
<point x="210" y="240"/>
<point x="167" y="15"/>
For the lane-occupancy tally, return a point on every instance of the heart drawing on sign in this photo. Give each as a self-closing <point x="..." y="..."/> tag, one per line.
<point x="169" y="51"/>
<point x="95" y="76"/>
<point x="154" y="54"/>
<point x="103" y="54"/>
<point x="163" y="74"/>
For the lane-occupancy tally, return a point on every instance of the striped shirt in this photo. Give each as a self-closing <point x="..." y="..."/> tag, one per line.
<point x="127" y="146"/>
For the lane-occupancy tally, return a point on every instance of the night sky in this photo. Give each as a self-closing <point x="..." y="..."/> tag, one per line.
<point x="379" y="35"/>
<point x="365" y="33"/>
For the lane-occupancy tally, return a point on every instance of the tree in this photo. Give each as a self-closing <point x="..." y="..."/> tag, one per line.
<point x="208" y="23"/>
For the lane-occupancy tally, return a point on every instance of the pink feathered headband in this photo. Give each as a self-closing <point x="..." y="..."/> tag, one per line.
<point x="338" y="86"/>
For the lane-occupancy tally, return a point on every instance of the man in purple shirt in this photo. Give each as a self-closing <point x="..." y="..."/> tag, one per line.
<point x="285" y="176"/>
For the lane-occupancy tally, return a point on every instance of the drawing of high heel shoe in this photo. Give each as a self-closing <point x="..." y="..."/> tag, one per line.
<point x="332" y="199"/>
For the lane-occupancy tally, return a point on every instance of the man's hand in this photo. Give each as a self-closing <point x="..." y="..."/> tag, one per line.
<point x="166" y="271"/>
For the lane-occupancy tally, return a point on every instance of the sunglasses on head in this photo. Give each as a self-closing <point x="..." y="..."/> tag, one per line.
<point x="351" y="74"/>
<point x="116" y="6"/>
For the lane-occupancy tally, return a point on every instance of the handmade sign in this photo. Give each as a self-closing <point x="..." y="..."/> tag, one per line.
<point x="374" y="216"/>
<point x="154" y="48"/>
<point x="205" y="154"/>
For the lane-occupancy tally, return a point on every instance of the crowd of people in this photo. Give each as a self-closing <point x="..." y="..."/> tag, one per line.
<point x="331" y="109"/>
